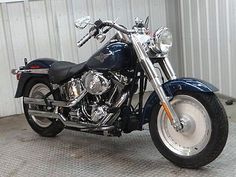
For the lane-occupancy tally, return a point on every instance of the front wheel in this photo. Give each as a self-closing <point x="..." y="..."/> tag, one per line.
<point x="204" y="134"/>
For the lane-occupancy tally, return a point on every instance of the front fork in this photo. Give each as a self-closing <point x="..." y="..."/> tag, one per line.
<point x="152" y="76"/>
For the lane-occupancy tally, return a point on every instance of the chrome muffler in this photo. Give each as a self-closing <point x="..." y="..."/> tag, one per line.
<point x="37" y="101"/>
<point x="41" y="102"/>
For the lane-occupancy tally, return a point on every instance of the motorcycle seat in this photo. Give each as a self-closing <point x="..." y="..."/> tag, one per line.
<point x="61" y="71"/>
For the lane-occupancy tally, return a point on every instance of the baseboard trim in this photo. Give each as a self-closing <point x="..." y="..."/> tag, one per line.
<point x="225" y="97"/>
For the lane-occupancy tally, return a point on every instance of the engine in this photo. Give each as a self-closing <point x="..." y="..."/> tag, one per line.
<point x="95" y="83"/>
<point x="102" y="93"/>
<point x="71" y="89"/>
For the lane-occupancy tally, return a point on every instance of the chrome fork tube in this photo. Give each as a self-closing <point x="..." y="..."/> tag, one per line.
<point x="169" y="68"/>
<point x="151" y="73"/>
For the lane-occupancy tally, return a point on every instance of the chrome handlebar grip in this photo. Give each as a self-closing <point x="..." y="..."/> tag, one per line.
<point x="84" y="39"/>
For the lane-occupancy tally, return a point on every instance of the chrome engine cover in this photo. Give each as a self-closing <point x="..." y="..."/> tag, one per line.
<point x="99" y="112"/>
<point x="95" y="83"/>
<point x="72" y="89"/>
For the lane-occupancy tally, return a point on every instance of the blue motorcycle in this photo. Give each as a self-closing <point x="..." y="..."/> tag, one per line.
<point x="187" y="122"/>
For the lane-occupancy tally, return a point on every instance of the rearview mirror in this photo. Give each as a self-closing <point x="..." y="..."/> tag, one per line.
<point x="82" y="22"/>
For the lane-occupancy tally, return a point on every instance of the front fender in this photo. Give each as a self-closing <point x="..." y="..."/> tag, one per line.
<point x="173" y="86"/>
<point x="188" y="84"/>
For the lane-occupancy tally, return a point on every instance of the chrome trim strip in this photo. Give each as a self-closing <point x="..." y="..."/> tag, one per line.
<point x="36" y="71"/>
<point x="32" y="71"/>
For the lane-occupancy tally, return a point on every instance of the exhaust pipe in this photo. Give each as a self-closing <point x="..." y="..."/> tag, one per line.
<point x="41" y="102"/>
<point x="101" y="126"/>
<point x="50" y="115"/>
<point x="69" y="124"/>
<point x="36" y="101"/>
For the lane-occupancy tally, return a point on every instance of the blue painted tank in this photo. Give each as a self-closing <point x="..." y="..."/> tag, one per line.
<point x="114" y="56"/>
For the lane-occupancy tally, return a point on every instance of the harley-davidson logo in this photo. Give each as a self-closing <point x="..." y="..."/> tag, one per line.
<point x="101" y="57"/>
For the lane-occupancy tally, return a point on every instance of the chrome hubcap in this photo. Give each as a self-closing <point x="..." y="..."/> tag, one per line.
<point x="38" y="91"/>
<point x="196" y="127"/>
<point x="189" y="125"/>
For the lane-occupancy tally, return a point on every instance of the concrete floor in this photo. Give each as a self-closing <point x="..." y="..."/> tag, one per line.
<point x="25" y="154"/>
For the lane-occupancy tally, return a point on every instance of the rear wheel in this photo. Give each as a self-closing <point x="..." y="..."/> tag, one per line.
<point x="204" y="134"/>
<point x="38" y="88"/>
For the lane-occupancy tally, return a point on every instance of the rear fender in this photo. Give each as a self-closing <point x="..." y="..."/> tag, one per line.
<point x="173" y="86"/>
<point x="35" y="65"/>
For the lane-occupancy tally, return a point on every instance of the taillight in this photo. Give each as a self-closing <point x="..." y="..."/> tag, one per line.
<point x="35" y="67"/>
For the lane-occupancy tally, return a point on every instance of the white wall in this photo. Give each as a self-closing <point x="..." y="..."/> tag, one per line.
<point x="209" y="40"/>
<point x="44" y="28"/>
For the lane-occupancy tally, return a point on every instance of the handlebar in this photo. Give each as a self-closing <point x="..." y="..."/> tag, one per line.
<point x="85" y="39"/>
<point x="118" y="27"/>
<point x="104" y="24"/>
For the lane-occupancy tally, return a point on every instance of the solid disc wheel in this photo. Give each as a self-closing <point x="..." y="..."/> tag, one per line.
<point x="38" y="88"/>
<point x="39" y="91"/>
<point x="204" y="134"/>
<point x="196" y="122"/>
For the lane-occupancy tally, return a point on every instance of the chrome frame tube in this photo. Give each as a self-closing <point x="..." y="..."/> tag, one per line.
<point x="153" y="77"/>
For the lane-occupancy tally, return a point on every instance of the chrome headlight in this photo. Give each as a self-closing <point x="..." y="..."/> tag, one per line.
<point x="162" y="40"/>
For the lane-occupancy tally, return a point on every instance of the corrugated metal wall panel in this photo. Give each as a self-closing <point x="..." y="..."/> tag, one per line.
<point x="208" y="28"/>
<point x="173" y="21"/>
<point x="45" y="28"/>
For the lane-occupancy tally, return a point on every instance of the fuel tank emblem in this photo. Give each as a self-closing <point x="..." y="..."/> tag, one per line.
<point x="102" y="56"/>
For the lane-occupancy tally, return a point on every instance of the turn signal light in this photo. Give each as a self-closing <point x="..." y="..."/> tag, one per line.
<point x="18" y="75"/>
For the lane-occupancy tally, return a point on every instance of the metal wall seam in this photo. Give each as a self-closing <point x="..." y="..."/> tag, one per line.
<point x="218" y="44"/>
<point x="208" y="41"/>
<point x="199" y="38"/>
<point x="229" y="47"/>
<point x="191" y="36"/>
<point x="183" y="37"/>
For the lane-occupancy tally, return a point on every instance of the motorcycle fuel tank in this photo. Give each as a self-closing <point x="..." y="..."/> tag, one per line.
<point x="114" y="56"/>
